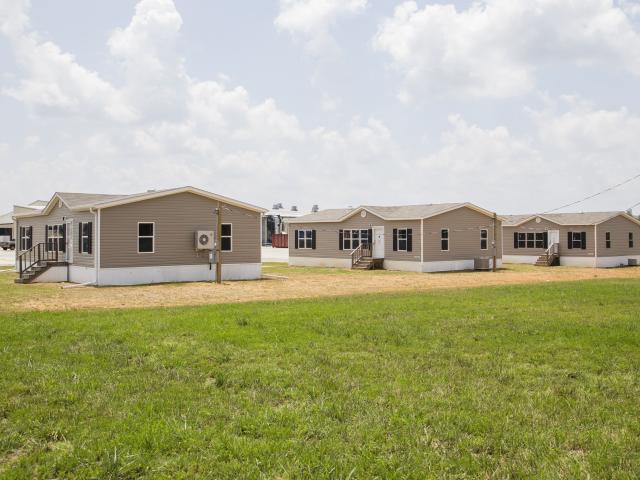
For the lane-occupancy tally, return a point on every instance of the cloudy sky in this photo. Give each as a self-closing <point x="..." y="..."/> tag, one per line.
<point x="516" y="105"/>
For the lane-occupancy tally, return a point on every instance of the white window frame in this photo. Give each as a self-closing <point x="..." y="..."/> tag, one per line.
<point x="405" y="239"/>
<point x="305" y="239"/>
<point x="573" y="240"/>
<point x="484" y="238"/>
<point x="448" y="239"/>
<point x="230" y="237"/>
<point x="152" y="237"/>
<point x="24" y="238"/>
<point x="347" y="243"/>
<point x="81" y="226"/>
<point x="57" y="237"/>
<point x="538" y="239"/>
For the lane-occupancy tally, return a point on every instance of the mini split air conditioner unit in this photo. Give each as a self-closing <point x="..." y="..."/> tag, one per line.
<point x="204" y="240"/>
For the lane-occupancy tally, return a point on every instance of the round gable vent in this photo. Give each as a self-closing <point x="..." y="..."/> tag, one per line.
<point x="363" y="213"/>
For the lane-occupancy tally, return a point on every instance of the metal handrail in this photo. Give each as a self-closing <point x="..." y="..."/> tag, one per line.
<point x="37" y="254"/>
<point x="551" y="253"/>
<point x="362" y="250"/>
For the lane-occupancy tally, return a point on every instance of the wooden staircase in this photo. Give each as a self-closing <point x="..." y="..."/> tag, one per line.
<point x="34" y="262"/>
<point x="361" y="259"/>
<point x="550" y="258"/>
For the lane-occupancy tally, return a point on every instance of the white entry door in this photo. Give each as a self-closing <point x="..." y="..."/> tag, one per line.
<point x="554" y="237"/>
<point x="378" y="242"/>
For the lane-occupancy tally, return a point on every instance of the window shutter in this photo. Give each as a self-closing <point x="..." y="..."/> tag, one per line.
<point x="90" y="246"/>
<point x="46" y="238"/>
<point x="313" y="239"/>
<point x="340" y="240"/>
<point x="570" y="240"/>
<point x="295" y="235"/>
<point x="80" y="237"/>
<point x="64" y="238"/>
<point x="30" y="235"/>
<point x="370" y="236"/>
<point x="583" y="239"/>
<point x="409" y="239"/>
<point x="545" y="239"/>
<point x="395" y="239"/>
<point x="515" y="239"/>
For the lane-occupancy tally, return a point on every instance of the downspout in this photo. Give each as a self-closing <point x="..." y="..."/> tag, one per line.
<point x="595" y="242"/>
<point x="421" y="243"/>
<point x="96" y="256"/>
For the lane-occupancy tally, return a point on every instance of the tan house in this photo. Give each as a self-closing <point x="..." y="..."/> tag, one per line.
<point x="151" y="237"/>
<point x="589" y="239"/>
<point x="419" y="238"/>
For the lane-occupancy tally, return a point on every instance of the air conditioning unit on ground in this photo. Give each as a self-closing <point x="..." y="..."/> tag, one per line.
<point x="482" y="263"/>
<point x="633" y="262"/>
<point x="204" y="240"/>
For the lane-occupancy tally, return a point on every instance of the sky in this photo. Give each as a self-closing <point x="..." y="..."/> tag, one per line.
<point x="519" y="106"/>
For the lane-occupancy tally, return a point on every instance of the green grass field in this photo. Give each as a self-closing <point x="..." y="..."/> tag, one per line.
<point x="512" y="382"/>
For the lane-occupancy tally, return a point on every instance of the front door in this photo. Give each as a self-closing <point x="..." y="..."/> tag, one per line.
<point x="378" y="242"/>
<point x="554" y="237"/>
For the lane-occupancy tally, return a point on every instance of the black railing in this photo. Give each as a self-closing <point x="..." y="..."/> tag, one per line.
<point x="36" y="255"/>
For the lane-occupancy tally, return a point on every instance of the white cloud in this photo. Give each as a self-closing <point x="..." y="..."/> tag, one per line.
<point x="494" y="48"/>
<point x="329" y="103"/>
<point x="312" y="20"/>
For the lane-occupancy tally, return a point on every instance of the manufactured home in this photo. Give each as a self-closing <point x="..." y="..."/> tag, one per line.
<point x="7" y="235"/>
<point x="152" y="237"/>
<point x="419" y="238"/>
<point x="588" y="239"/>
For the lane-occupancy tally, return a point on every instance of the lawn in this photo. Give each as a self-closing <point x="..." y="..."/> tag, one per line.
<point x="498" y="382"/>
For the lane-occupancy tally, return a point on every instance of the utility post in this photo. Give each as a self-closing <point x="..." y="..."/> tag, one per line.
<point x="219" y="244"/>
<point x="495" y="240"/>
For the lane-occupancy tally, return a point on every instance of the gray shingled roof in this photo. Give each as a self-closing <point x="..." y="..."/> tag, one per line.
<point x="74" y="200"/>
<point x="400" y="212"/>
<point x="583" y="218"/>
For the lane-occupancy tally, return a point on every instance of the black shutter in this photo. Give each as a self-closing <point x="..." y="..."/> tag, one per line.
<point x="46" y="238"/>
<point x="295" y="235"/>
<point x="80" y="237"/>
<point x="515" y="239"/>
<point x="20" y="235"/>
<point x="409" y="239"/>
<point x="395" y="239"/>
<point x="30" y="235"/>
<point x="313" y="239"/>
<point x="570" y="240"/>
<point x="340" y="240"/>
<point x="583" y="238"/>
<point x="90" y="246"/>
<point x="64" y="238"/>
<point x="370" y="236"/>
<point x="545" y="239"/>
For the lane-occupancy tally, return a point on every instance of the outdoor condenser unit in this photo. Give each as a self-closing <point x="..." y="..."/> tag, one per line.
<point x="633" y="262"/>
<point x="482" y="263"/>
<point x="204" y="240"/>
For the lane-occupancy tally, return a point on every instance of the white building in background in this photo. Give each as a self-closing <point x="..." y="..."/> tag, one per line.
<point x="275" y="221"/>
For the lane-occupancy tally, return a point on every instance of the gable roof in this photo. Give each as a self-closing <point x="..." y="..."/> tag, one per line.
<point x="582" y="218"/>
<point x="399" y="212"/>
<point x="88" y="201"/>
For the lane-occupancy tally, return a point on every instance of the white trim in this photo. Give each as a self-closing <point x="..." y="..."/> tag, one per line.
<point x="297" y="239"/>
<point x="486" y="239"/>
<point x="152" y="237"/>
<point x="422" y="240"/>
<point x="178" y="273"/>
<point x="319" y="262"/>
<point x="595" y="241"/>
<point x="97" y="252"/>
<point x="221" y="237"/>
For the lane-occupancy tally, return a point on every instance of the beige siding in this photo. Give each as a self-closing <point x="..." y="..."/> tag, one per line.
<point x="619" y="228"/>
<point x="327" y="237"/>
<point x="544" y="225"/>
<point x="58" y="215"/>
<point x="177" y="218"/>
<point x="464" y="226"/>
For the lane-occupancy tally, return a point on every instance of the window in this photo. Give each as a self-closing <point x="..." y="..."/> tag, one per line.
<point x="444" y="240"/>
<point x="630" y="240"/>
<point x="85" y="234"/>
<point x="522" y="240"/>
<point x="305" y="239"/>
<point x="5" y="232"/>
<point x="55" y="238"/>
<point x="351" y="239"/>
<point x="484" y="239"/>
<point x="402" y="239"/>
<point x="531" y="240"/>
<point x="226" y="238"/>
<point x="577" y="240"/>
<point x="607" y="239"/>
<point x="146" y="237"/>
<point x="540" y="243"/>
<point x="26" y="238"/>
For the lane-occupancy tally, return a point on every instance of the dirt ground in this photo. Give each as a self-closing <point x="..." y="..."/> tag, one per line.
<point x="282" y="282"/>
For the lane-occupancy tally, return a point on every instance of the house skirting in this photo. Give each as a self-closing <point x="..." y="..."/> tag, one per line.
<point x="177" y="273"/>
<point x="455" y="265"/>
<point x="520" y="258"/>
<point x="80" y="274"/>
<point x="55" y="274"/>
<point x="610" y="262"/>
<point x="319" y="262"/>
